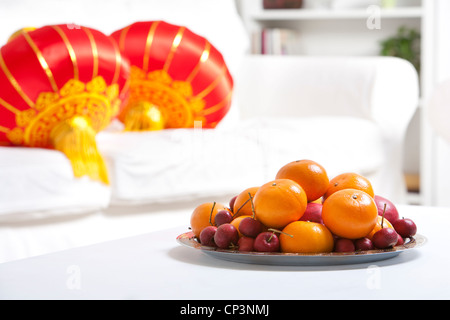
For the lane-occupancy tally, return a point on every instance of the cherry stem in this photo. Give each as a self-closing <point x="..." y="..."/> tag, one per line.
<point x="253" y="207"/>
<point x="382" y="219"/>
<point x="278" y="231"/>
<point x="210" y="214"/>
<point x="242" y="206"/>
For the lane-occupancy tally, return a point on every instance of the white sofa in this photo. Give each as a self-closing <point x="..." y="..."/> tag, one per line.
<point x="348" y="113"/>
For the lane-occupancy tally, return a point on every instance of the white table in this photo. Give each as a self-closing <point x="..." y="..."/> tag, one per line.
<point x="154" y="266"/>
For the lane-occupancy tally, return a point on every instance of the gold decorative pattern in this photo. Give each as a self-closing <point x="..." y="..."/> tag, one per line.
<point x="94" y="100"/>
<point x="173" y="98"/>
<point x="143" y="116"/>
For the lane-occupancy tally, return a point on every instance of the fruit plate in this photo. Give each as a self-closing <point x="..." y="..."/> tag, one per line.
<point x="298" y="259"/>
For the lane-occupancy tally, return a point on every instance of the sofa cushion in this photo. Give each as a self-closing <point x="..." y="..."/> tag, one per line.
<point x="179" y="164"/>
<point x="37" y="183"/>
<point x="340" y="144"/>
<point x="185" y="164"/>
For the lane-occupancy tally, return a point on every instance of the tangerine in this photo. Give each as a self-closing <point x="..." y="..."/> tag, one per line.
<point x="386" y="224"/>
<point x="203" y="216"/>
<point x="279" y="202"/>
<point x="242" y="205"/>
<point x="310" y="175"/>
<point x="349" y="180"/>
<point x="350" y="213"/>
<point x="306" y="237"/>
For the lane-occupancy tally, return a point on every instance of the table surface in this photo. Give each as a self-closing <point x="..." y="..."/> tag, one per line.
<point x="154" y="266"/>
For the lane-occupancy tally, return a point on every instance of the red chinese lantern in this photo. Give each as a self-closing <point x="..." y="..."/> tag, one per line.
<point x="175" y="71"/>
<point x="60" y="85"/>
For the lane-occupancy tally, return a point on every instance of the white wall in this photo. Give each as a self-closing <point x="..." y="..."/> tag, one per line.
<point x="436" y="156"/>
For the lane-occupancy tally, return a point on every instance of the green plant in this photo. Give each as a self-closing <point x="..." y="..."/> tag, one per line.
<point x="405" y="44"/>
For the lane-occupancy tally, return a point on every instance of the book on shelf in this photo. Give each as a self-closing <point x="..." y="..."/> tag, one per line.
<point x="276" y="41"/>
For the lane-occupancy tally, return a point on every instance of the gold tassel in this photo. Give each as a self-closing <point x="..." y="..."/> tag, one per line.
<point x="76" y="139"/>
<point x="143" y="116"/>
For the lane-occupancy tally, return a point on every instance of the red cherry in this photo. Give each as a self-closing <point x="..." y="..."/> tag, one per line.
<point x="226" y="236"/>
<point x="222" y="216"/>
<point x="400" y="241"/>
<point x="267" y="242"/>
<point x="385" y="238"/>
<point x="391" y="212"/>
<point x="250" y="227"/>
<point x="364" y="244"/>
<point x="344" y="245"/>
<point x="231" y="204"/>
<point x="313" y="213"/>
<point x="207" y="236"/>
<point x="405" y="227"/>
<point x="246" y="244"/>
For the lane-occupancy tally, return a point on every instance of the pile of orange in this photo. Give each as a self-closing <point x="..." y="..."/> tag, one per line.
<point x="348" y="208"/>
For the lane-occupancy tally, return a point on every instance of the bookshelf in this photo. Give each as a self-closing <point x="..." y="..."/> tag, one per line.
<point x="311" y="31"/>
<point x="333" y="14"/>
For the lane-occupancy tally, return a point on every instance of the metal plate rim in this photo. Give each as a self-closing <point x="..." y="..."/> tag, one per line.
<point x="294" y="259"/>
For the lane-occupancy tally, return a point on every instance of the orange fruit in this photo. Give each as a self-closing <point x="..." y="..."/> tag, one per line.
<point x="242" y="204"/>
<point x="203" y="216"/>
<point x="349" y="180"/>
<point x="279" y="202"/>
<point x="307" y="237"/>
<point x="236" y="221"/>
<point x="386" y="224"/>
<point x="350" y="213"/>
<point x="310" y="175"/>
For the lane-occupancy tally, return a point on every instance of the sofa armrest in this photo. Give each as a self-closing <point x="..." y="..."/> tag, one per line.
<point x="383" y="89"/>
<point x="395" y="94"/>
